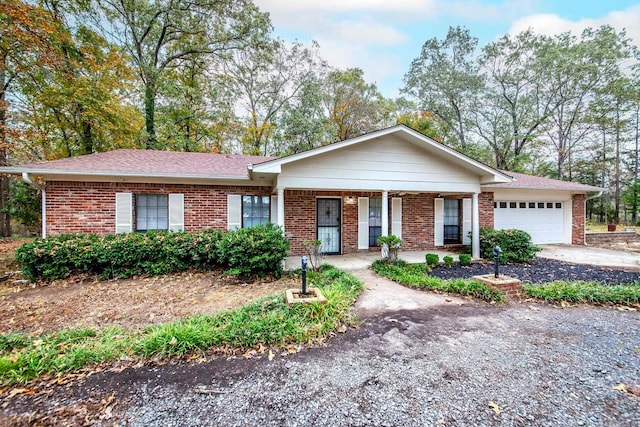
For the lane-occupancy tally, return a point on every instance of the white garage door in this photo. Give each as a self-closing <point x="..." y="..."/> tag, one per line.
<point x="543" y="220"/>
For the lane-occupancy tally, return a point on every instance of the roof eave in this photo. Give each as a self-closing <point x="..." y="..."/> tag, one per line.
<point x="56" y="172"/>
<point x="542" y="188"/>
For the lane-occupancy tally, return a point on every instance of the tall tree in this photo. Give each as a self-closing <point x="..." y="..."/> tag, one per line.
<point x="78" y="106"/>
<point x="444" y="80"/>
<point x="266" y="80"/>
<point x="515" y="106"/>
<point x="26" y="44"/>
<point x="580" y="69"/>
<point x="354" y="106"/>
<point x="160" y="34"/>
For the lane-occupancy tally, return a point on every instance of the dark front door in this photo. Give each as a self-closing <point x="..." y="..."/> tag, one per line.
<point x="328" y="222"/>
<point x="451" y="221"/>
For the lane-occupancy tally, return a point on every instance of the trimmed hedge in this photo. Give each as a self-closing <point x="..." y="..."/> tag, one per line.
<point x="515" y="244"/>
<point x="257" y="251"/>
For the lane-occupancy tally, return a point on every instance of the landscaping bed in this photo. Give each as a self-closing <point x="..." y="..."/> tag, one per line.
<point x="542" y="270"/>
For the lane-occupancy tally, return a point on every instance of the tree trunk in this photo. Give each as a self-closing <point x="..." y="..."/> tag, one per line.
<point x="634" y="206"/>
<point x="5" y="225"/>
<point x="149" y="112"/>
<point x="617" y="183"/>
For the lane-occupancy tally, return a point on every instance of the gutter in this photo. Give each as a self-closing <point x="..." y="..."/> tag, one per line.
<point x="27" y="179"/>
<point x="595" y="196"/>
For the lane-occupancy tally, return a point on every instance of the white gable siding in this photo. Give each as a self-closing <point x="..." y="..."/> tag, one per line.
<point x="387" y="163"/>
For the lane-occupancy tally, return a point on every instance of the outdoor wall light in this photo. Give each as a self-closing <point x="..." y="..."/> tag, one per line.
<point x="349" y="200"/>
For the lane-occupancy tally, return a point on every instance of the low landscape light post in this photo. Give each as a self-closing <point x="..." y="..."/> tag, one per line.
<point x="304" y="275"/>
<point x="496" y="260"/>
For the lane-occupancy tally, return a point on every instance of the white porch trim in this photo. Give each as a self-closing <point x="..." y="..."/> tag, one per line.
<point x="475" y="228"/>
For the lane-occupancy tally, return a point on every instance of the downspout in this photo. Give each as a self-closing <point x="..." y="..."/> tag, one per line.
<point x="27" y="180"/>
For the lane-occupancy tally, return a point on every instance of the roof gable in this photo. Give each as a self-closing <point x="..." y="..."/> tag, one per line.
<point x="487" y="174"/>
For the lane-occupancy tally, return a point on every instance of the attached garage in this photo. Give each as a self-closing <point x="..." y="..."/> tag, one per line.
<point x="543" y="220"/>
<point x="551" y="211"/>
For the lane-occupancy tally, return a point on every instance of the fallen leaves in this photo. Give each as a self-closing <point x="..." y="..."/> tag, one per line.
<point x="495" y="407"/>
<point x="629" y="389"/>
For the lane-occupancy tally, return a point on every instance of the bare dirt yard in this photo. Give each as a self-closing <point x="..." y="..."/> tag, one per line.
<point x="132" y="303"/>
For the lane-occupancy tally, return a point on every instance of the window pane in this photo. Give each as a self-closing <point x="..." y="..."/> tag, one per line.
<point x="512" y="205"/>
<point x="558" y="205"/>
<point x="255" y="210"/>
<point x="540" y="205"/>
<point x="503" y="205"/>
<point x="550" y="205"/>
<point x="152" y="212"/>
<point x="523" y="205"/>
<point x="532" y="205"/>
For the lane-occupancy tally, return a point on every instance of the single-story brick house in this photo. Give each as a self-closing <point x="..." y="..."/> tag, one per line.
<point x="346" y="194"/>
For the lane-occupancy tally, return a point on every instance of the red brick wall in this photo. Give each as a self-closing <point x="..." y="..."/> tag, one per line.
<point x="417" y="221"/>
<point x="89" y="207"/>
<point x="485" y="209"/>
<point x="578" y="216"/>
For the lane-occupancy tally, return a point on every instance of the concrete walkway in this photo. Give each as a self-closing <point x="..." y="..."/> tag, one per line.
<point x="382" y="295"/>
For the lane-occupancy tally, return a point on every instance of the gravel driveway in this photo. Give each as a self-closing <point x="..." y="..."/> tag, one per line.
<point x="450" y="364"/>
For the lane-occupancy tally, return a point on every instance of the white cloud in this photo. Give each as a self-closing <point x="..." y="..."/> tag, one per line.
<point x="278" y="7"/>
<point x="478" y="10"/>
<point x="550" y="24"/>
<point x="377" y="66"/>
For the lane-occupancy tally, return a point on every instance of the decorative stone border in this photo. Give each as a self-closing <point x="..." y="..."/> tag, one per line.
<point x="293" y="296"/>
<point x="507" y="286"/>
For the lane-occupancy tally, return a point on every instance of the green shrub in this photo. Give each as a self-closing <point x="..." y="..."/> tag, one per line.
<point x="465" y="259"/>
<point x="392" y="244"/>
<point x="432" y="259"/>
<point x="515" y="244"/>
<point x="257" y="250"/>
<point x="448" y="260"/>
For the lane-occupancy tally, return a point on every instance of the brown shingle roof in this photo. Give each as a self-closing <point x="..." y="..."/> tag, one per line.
<point x="539" y="183"/>
<point x="150" y="162"/>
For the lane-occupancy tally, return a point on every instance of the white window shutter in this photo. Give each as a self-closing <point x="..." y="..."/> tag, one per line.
<point x="363" y="223"/>
<point x="438" y="220"/>
<point x="124" y="213"/>
<point x="274" y="209"/>
<point x="466" y="221"/>
<point x="176" y="212"/>
<point x="396" y="216"/>
<point x="234" y="211"/>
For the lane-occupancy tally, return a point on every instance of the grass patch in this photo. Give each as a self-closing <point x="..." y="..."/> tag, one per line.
<point x="585" y="292"/>
<point x="267" y="321"/>
<point x="416" y="275"/>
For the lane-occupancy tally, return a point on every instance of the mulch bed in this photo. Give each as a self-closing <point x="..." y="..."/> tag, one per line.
<point x="543" y="270"/>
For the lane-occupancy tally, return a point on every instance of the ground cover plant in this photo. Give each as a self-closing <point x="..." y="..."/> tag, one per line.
<point x="415" y="275"/>
<point x="268" y="321"/>
<point x="585" y="292"/>
<point x="257" y="251"/>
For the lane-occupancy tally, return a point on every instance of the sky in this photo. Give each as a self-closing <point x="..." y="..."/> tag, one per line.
<point x="382" y="37"/>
